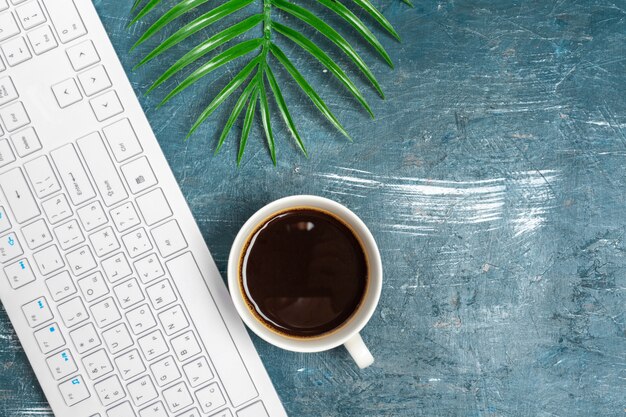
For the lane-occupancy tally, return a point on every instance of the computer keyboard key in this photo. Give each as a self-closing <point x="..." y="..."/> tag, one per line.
<point x="103" y="241"/>
<point x="93" y="286"/>
<point x="10" y="247"/>
<point x="255" y="410"/>
<point x="177" y="397"/>
<point x="83" y="55"/>
<point x="26" y="142"/>
<point x="116" y="267"/>
<point x="94" y="80"/>
<point x="30" y="15"/>
<point x="66" y="93"/>
<point x="42" y="40"/>
<point x="97" y="364"/>
<point x="18" y="195"/>
<point x="8" y="93"/>
<point x="125" y="217"/>
<point x="48" y="260"/>
<point x="72" y="174"/>
<point x="124" y="409"/>
<point x="161" y="294"/>
<point x="36" y="234"/>
<point x="102" y="169"/>
<point x="61" y="364"/>
<point x="165" y="371"/>
<point x="4" y="4"/>
<point x="137" y="242"/>
<point x="92" y="216"/>
<point x="123" y="140"/>
<point x="155" y="410"/>
<point x="139" y="175"/>
<point x="42" y="176"/>
<point x="57" y="208"/>
<point x="74" y="391"/>
<point x="37" y="312"/>
<point x="149" y="268"/>
<point x="142" y="391"/>
<point x="105" y="312"/>
<point x="8" y="26"/>
<point x="65" y="19"/>
<point x="81" y="260"/>
<point x="173" y="320"/>
<point x="85" y="338"/>
<point x="153" y="345"/>
<point x="49" y="338"/>
<point x="154" y="206"/>
<point x="186" y="346"/>
<point x="19" y="273"/>
<point x="128" y="293"/>
<point x="106" y="105"/>
<point x="198" y="372"/>
<point x="14" y="116"/>
<point x="16" y="51"/>
<point x="73" y="312"/>
<point x="141" y="319"/>
<point x="69" y="234"/>
<point x="210" y="398"/>
<point x="168" y="238"/>
<point x="61" y="286"/>
<point x="6" y="154"/>
<point x="129" y="364"/>
<point x="109" y="390"/>
<point x="5" y="224"/>
<point x="117" y="338"/>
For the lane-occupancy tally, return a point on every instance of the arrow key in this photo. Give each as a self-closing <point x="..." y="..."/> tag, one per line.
<point x="82" y="55"/>
<point x="94" y="80"/>
<point x="106" y="105"/>
<point x="66" y="93"/>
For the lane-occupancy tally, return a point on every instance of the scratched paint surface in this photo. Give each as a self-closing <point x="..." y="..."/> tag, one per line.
<point x="494" y="182"/>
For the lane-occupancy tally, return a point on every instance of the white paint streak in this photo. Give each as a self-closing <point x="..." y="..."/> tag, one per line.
<point x="422" y="207"/>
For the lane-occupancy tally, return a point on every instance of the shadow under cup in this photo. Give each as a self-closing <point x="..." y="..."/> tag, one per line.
<point x="303" y="272"/>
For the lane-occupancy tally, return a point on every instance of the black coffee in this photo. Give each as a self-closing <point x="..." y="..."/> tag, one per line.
<point x="303" y="272"/>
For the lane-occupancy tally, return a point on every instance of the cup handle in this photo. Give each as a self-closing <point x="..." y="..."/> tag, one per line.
<point x="359" y="352"/>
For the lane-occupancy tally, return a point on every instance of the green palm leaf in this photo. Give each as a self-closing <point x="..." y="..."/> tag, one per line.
<point x="210" y="56"/>
<point x="284" y="110"/>
<point x="198" y="24"/>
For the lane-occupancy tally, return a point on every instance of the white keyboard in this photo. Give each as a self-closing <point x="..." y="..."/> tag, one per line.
<point x="105" y="275"/>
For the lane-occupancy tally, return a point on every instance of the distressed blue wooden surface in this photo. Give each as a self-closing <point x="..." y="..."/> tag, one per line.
<point x="494" y="181"/>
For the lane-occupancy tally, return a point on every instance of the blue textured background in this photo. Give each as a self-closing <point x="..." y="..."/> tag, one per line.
<point x="494" y="181"/>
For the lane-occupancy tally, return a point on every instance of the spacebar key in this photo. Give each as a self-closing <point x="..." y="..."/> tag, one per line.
<point x="104" y="173"/>
<point x="210" y="325"/>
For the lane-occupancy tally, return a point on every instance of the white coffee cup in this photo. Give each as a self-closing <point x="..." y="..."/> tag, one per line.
<point x="348" y="333"/>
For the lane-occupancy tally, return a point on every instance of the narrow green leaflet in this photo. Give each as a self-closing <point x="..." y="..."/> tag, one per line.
<point x="144" y="11"/>
<point x="247" y="124"/>
<point x="198" y="24"/>
<point x="175" y="12"/>
<point x="234" y="114"/>
<point x="233" y="85"/>
<point x="284" y="110"/>
<point x="267" y="123"/>
<point x="323" y="28"/>
<point x="358" y="25"/>
<point x="306" y="87"/>
<point x="225" y="57"/>
<point x="378" y="16"/>
<point x="136" y="4"/>
<point x="207" y="46"/>
<point x="315" y="50"/>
